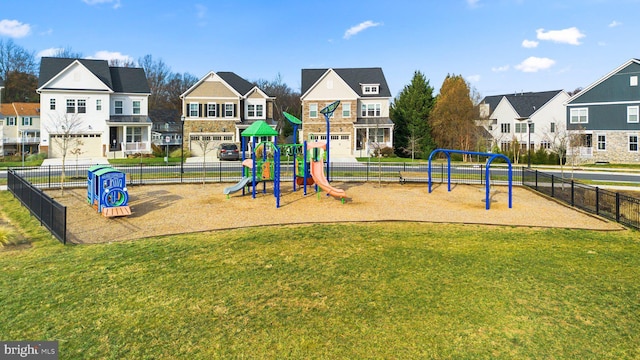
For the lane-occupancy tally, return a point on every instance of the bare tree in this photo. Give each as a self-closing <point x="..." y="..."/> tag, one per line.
<point x="63" y="131"/>
<point x="204" y="142"/>
<point x="559" y="143"/>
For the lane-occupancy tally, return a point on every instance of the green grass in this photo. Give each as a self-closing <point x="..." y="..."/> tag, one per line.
<point x="399" y="290"/>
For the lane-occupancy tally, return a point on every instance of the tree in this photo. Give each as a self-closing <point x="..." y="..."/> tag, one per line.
<point x="286" y="99"/>
<point x="204" y="142"/>
<point x="410" y="115"/>
<point x="21" y="87"/>
<point x="63" y="130"/>
<point x="452" y="117"/>
<point x="19" y="71"/>
<point x="559" y="143"/>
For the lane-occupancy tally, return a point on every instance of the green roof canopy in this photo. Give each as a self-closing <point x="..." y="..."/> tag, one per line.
<point x="259" y="128"/>
<point x="292" y="119"/>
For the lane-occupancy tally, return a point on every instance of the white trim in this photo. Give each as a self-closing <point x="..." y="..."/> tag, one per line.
<point x="586" y="115"/>
<point x="598" y="141"/>
<point x="603" y="103"/>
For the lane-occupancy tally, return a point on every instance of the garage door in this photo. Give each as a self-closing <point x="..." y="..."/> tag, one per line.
<point x="87" y="145"/>
<point x="199" y="142"/>
<point x="340" y="145"/>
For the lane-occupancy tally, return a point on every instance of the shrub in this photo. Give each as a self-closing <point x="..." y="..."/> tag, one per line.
<point x="176" y="153"/>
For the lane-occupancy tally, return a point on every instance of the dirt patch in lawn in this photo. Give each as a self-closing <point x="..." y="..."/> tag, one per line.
<point x="185" y="208"/>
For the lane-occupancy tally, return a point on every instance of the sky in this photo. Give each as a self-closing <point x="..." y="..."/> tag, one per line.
<point x="498" y="46"/>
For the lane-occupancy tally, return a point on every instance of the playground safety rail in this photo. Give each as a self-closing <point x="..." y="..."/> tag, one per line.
<point x="621" y="208"/>
<point x="51" y="214"/>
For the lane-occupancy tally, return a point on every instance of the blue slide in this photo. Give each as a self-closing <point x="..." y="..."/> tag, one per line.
<point x="231" y="189"/>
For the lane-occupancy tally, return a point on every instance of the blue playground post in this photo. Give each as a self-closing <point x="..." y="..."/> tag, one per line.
<point x="327" y="111"/>
<point x="490" y="157"/>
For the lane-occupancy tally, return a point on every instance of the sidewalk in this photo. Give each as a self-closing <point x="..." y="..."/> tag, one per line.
<point x="72" y="162"/>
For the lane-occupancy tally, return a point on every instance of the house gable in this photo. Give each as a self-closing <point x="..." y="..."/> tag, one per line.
<point x="330" y="86"/>
<point x="616" y="86"/>
<point x="76" y="77"/>
<point x="211" y="86"/>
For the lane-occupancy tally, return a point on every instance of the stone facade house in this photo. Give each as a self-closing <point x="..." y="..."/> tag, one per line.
<point x="361" y="123"/>
<point x="606" y="116"/>
<point x="218" y="107"/>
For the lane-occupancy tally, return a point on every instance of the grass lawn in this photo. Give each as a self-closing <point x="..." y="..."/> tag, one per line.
<point x="393" y="290"/>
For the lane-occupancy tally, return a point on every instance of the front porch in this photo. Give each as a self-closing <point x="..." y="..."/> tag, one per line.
<point x="128" y="135"/>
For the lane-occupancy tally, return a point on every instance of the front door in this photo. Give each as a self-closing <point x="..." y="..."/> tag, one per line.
<point x="113" y="139"/>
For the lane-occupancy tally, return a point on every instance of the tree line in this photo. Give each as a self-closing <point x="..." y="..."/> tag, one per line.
<point x="422" y="120"/>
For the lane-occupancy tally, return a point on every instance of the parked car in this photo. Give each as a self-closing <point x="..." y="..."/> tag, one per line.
<point x="228" y="151"/>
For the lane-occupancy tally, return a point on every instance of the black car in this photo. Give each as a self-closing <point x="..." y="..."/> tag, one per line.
<point x="228" y="151"/>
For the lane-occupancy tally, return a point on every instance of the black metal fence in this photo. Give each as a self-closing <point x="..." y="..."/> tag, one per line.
<point x="615" y="206"/>
<point x="27" y="184"/>
<point x="51" y="214"/>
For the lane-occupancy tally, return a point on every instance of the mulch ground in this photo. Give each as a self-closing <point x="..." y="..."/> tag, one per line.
<point x="174" y="209"/>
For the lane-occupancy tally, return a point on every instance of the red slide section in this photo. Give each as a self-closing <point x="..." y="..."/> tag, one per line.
<point x="317" y="173"/>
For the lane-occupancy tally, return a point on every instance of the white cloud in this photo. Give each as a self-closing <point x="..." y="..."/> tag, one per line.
<point x="500" y="68"/>
<point x="116" y="3"/>
<point x="535" y="64"/>
<point x="48" y="52"/>
<point x="570" y="36"/>
<point x="473" y="78"/>
<point x="473" y="3"/>
<point x="529" y="44"/>
<point x="615" y="23"/>
<point x="201" y="11"/>
<point x="360" y="27"/>
<point x="14" y="28"/>
<point x="111" y="55"/>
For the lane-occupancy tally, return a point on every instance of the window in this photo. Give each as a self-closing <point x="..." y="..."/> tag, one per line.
<point x="259" y="110"/>
<point x="633" y="81"/>
<point x="632" y="114"/>
<point x="633" y="143"/>
<point x="587" y="140"/>
<point x="370" y="110"/>
<point x="313" y="110"/>
<point x="82" y="106"/>
<point x="521" y="128"/>
<point x="193" y="110"/>
<point x="505" y="128"/>
<point x="545" y="144"/>
<point x="71" y="106"/>
<point x="602" y="142"/>
<point x="579" y="116"/>
<point x="52" y="104"/>
<point x="26" y="121"/>
<point x="377" y="135"/>
<point x="98" y="105"/>
<point x="211" y="110"/>
<point x="370" y="89"/>
<point x="118" y="107"/>
<point x="505" y="145"/>
<point x="11" y="121"/>
<point x="136" y="107"/>
<point x="228" y="110"/>
<point x="552" y="127"/>
<point x="134" y="134"/>
<point x="251" y="110"/>
<point x="346" y="110"/>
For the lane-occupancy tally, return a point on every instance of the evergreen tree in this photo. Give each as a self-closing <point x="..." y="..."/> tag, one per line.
<point x="410" y="114"/>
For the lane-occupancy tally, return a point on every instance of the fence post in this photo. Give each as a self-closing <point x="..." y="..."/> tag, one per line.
<point x="553" y="187"/>
<point x="536" y="180"/>
<point x="49" y="187"/>
<point x="572" y="193"/>
<point x="481" y="174"/>
<point x="617" y="207"/>
<point x="597" y="200"/>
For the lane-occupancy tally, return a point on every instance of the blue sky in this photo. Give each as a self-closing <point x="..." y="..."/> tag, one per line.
<point x="499" y="46"/>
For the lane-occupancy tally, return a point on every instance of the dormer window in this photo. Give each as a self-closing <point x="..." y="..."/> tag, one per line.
<point x="370" y="89"/>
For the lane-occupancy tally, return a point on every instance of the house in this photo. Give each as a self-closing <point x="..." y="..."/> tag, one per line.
<point x="520" y="118"/>
<point x="102" y="109"/>
<point x="361" y="123"/>
<point x="219" y="107"/>
<point x="605" y="115"/>
<point x="20" y="128"/>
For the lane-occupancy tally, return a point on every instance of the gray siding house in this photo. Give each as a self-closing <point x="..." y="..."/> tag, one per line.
<point x="606" y="115"/>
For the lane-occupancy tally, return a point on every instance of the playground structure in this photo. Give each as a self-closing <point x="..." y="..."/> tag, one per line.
<point x="107" y="191"/>
<point x="490" y="158"/>
<point x="264" y="164"/>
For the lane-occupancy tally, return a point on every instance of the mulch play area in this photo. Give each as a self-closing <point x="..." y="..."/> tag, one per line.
<point x="184" y="208"/>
